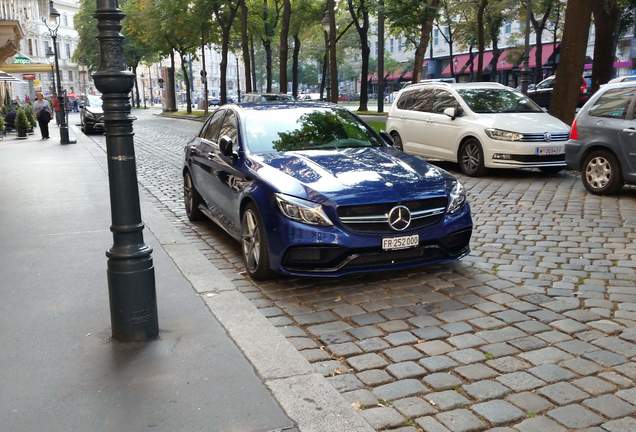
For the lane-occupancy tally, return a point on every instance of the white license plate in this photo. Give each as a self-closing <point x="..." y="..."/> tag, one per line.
<point x="395" y="243"/>
<point x="549" y="151"/>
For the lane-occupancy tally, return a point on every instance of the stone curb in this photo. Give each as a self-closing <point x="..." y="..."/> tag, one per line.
<point x="306" y="397"/>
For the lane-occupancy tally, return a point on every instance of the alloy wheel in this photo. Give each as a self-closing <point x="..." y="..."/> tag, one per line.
<point x="598" y="172"/>
<point x="188" y="195"/>
<point x="251" y="241"/>
<point x="471" y="157"/>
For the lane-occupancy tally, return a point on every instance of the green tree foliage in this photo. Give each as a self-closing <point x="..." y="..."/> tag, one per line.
<point x="87" y="50"/>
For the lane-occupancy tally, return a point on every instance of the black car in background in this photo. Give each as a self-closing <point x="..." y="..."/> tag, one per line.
<point x="91" y="114"/>
<point x="541" y="94"/>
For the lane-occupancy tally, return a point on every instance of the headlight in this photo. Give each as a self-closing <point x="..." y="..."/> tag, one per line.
<point x="502" y="135"/>
<point x="457" y="197"/>
<point x="302" y="210"/>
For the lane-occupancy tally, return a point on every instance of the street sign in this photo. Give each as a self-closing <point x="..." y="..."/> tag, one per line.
<point x="21" y="59"/>
<point x="28" y="77"/>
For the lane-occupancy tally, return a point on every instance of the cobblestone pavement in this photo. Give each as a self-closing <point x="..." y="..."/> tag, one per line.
<point x="534" y="331"/>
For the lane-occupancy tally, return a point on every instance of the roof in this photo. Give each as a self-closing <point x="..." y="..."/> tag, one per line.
<point x="255" y="106"/>
<point x="459" y="85"/>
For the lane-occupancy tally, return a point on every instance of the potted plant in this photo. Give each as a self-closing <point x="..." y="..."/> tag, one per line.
<point x="28" y="110"/>
<point x="21" y="124"/>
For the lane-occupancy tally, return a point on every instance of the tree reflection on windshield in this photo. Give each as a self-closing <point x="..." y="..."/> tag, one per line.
<point x="324" y="130"/>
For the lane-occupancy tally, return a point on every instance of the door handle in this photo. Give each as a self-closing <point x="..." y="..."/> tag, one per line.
<point x="193" y="150"/>
<point x="629" y="131"/>
<point x="211" y="155"/>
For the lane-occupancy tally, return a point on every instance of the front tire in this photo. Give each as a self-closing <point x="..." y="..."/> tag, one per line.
<point x="601" y="173"/>
<point x="191" y="199"/>
<point x="254" y="246"/>
<point x="471" y="158"/>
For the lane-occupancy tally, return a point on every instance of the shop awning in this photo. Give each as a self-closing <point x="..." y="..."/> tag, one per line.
<point x="26" y="68"/>
<point x="6" y="77"/>
<point x="460" y="63"/>
<point x="548" y="50"/>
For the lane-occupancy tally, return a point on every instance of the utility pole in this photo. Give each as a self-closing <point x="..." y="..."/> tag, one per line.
<point x="131" y="275"/>
<point x="525" y="71"/>
<point x="380" y="56"/>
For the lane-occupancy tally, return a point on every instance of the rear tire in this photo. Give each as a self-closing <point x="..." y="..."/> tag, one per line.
<point x="191" y="199"/>
<point x="254" y="247"/>
<point x="471" y="158"/>
<point x="601" y="173"/>
<point x="397" y="141"/>
<point x="551" y="170"/>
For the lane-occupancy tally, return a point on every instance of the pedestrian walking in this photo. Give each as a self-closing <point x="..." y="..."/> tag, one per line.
<point x="58" y="109"/>
<point x="43" y="113"/>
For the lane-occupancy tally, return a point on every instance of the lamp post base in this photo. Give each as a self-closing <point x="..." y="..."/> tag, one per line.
<point x="64" y="136"/>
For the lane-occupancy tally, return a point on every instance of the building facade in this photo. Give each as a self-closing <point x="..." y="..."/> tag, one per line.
<point x="37" y="43"/>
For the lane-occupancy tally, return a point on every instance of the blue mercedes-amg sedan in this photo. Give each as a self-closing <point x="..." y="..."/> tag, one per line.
<point x="311" y="190"/>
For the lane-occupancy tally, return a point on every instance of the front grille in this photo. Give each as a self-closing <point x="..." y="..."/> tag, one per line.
<point x="537" y="158"/>
<point x="374" y="217"/>
<point x="541" y="137"/>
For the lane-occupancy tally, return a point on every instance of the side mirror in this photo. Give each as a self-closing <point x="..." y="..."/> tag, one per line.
<point x="532" y="86"/>
<point x="451" y="112"/>
<point x="387" y="138"/>
<point x="226" y="146"/>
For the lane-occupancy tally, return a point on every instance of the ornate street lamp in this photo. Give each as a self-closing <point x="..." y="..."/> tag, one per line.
<point x="53" y="24"/>
<point x="131" y="275"/>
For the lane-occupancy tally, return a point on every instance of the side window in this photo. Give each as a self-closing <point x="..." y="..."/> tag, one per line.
<point x="211" y="132"/>
<point x="423" y="100"/>
<point x="442" y="100"/>
<point x="613" y="103"/>
<point x="406" y="100"/>
<point x="546" y="84"/>
<point x="230" y="127"/>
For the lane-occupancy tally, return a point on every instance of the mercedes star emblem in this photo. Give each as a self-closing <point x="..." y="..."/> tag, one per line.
<point x="399" y="218"/>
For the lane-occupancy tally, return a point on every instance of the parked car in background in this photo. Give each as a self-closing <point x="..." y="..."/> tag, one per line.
<point x="309" y="189"/>
<point x="541" y="94"/>
<point x="624" y="78"/>
<point x="478" y="125"/>
<point x="603" y="139"/>
<point x="91" y="114"/>
<point x="266" y="97"/>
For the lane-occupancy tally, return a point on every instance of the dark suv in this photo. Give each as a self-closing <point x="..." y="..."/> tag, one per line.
<point x="603" y="139"/>
<point x="91" y="114"/>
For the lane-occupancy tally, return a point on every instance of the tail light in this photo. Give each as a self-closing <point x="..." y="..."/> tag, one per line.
<point x="574" y="133"/>
<point x="583" y="87"/>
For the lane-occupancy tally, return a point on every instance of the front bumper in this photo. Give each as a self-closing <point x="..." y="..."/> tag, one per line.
<point x="522" y="154"/>
<point x="94" y="124"/>
<point x="304" y="250"/>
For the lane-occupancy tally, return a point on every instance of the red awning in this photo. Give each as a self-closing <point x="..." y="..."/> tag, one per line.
<point x="460" y="63"/>
<point x="548" y="50"/>
<point x="503" y="63"/>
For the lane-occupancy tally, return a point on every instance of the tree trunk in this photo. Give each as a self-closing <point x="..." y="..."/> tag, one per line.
<point x="380" y="57"/>
<point x="186" y="78"/>
<point x="137" y="99"/>
<point x="246" y="49"/>
<point x="172" y="93"/>
<point x="538" y="58"/>
<point x="225" y="43"/>
<point x="284" y="47"/>
<point x="425" y="34"/>
<point x="539" y="27"/>
<point x="295" y="55"/>
<point x="573" y="45"/>
<point x="450" y="56"/>
<point x="606" y="19"/>
<point x="496" y="52"/>
<point x="333" y="66"/>
<point x="325" y="63"/>
<point x="253" y="58"/>
<point x="204" y="76"/>
<point x="481" y="38"/>
<point x="364" y="79"/>
<point x="471" y="62"/>
<point x="268" y="64"/>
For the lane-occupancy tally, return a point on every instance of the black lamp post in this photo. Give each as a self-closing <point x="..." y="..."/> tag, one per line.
<point x="50" y="53"/>
<point x="53" y="26"/>
<point x="131" y="275"/>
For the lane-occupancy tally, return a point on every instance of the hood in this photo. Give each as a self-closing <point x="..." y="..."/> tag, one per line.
<point x="523" y="122"/>
<point x="94" y="109"/>
<point x="350" y="176"/>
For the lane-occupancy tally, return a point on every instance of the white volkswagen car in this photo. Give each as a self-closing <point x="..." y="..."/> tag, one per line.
<point x="478" y="125"/>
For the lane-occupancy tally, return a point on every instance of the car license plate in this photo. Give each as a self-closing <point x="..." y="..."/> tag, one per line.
<point x="396" y="243"/>
<point x="549" y="151"/>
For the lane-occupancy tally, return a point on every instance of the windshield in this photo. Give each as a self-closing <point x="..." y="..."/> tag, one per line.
<point x="495" y="100"/>
<point x="309" y="128"/>
<point x="94" y="101"/>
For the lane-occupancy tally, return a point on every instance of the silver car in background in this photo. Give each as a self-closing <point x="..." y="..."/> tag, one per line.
<point x="603" y="139"/>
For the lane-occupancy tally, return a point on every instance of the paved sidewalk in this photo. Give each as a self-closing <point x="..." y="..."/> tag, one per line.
<point x="59" y="369"/>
